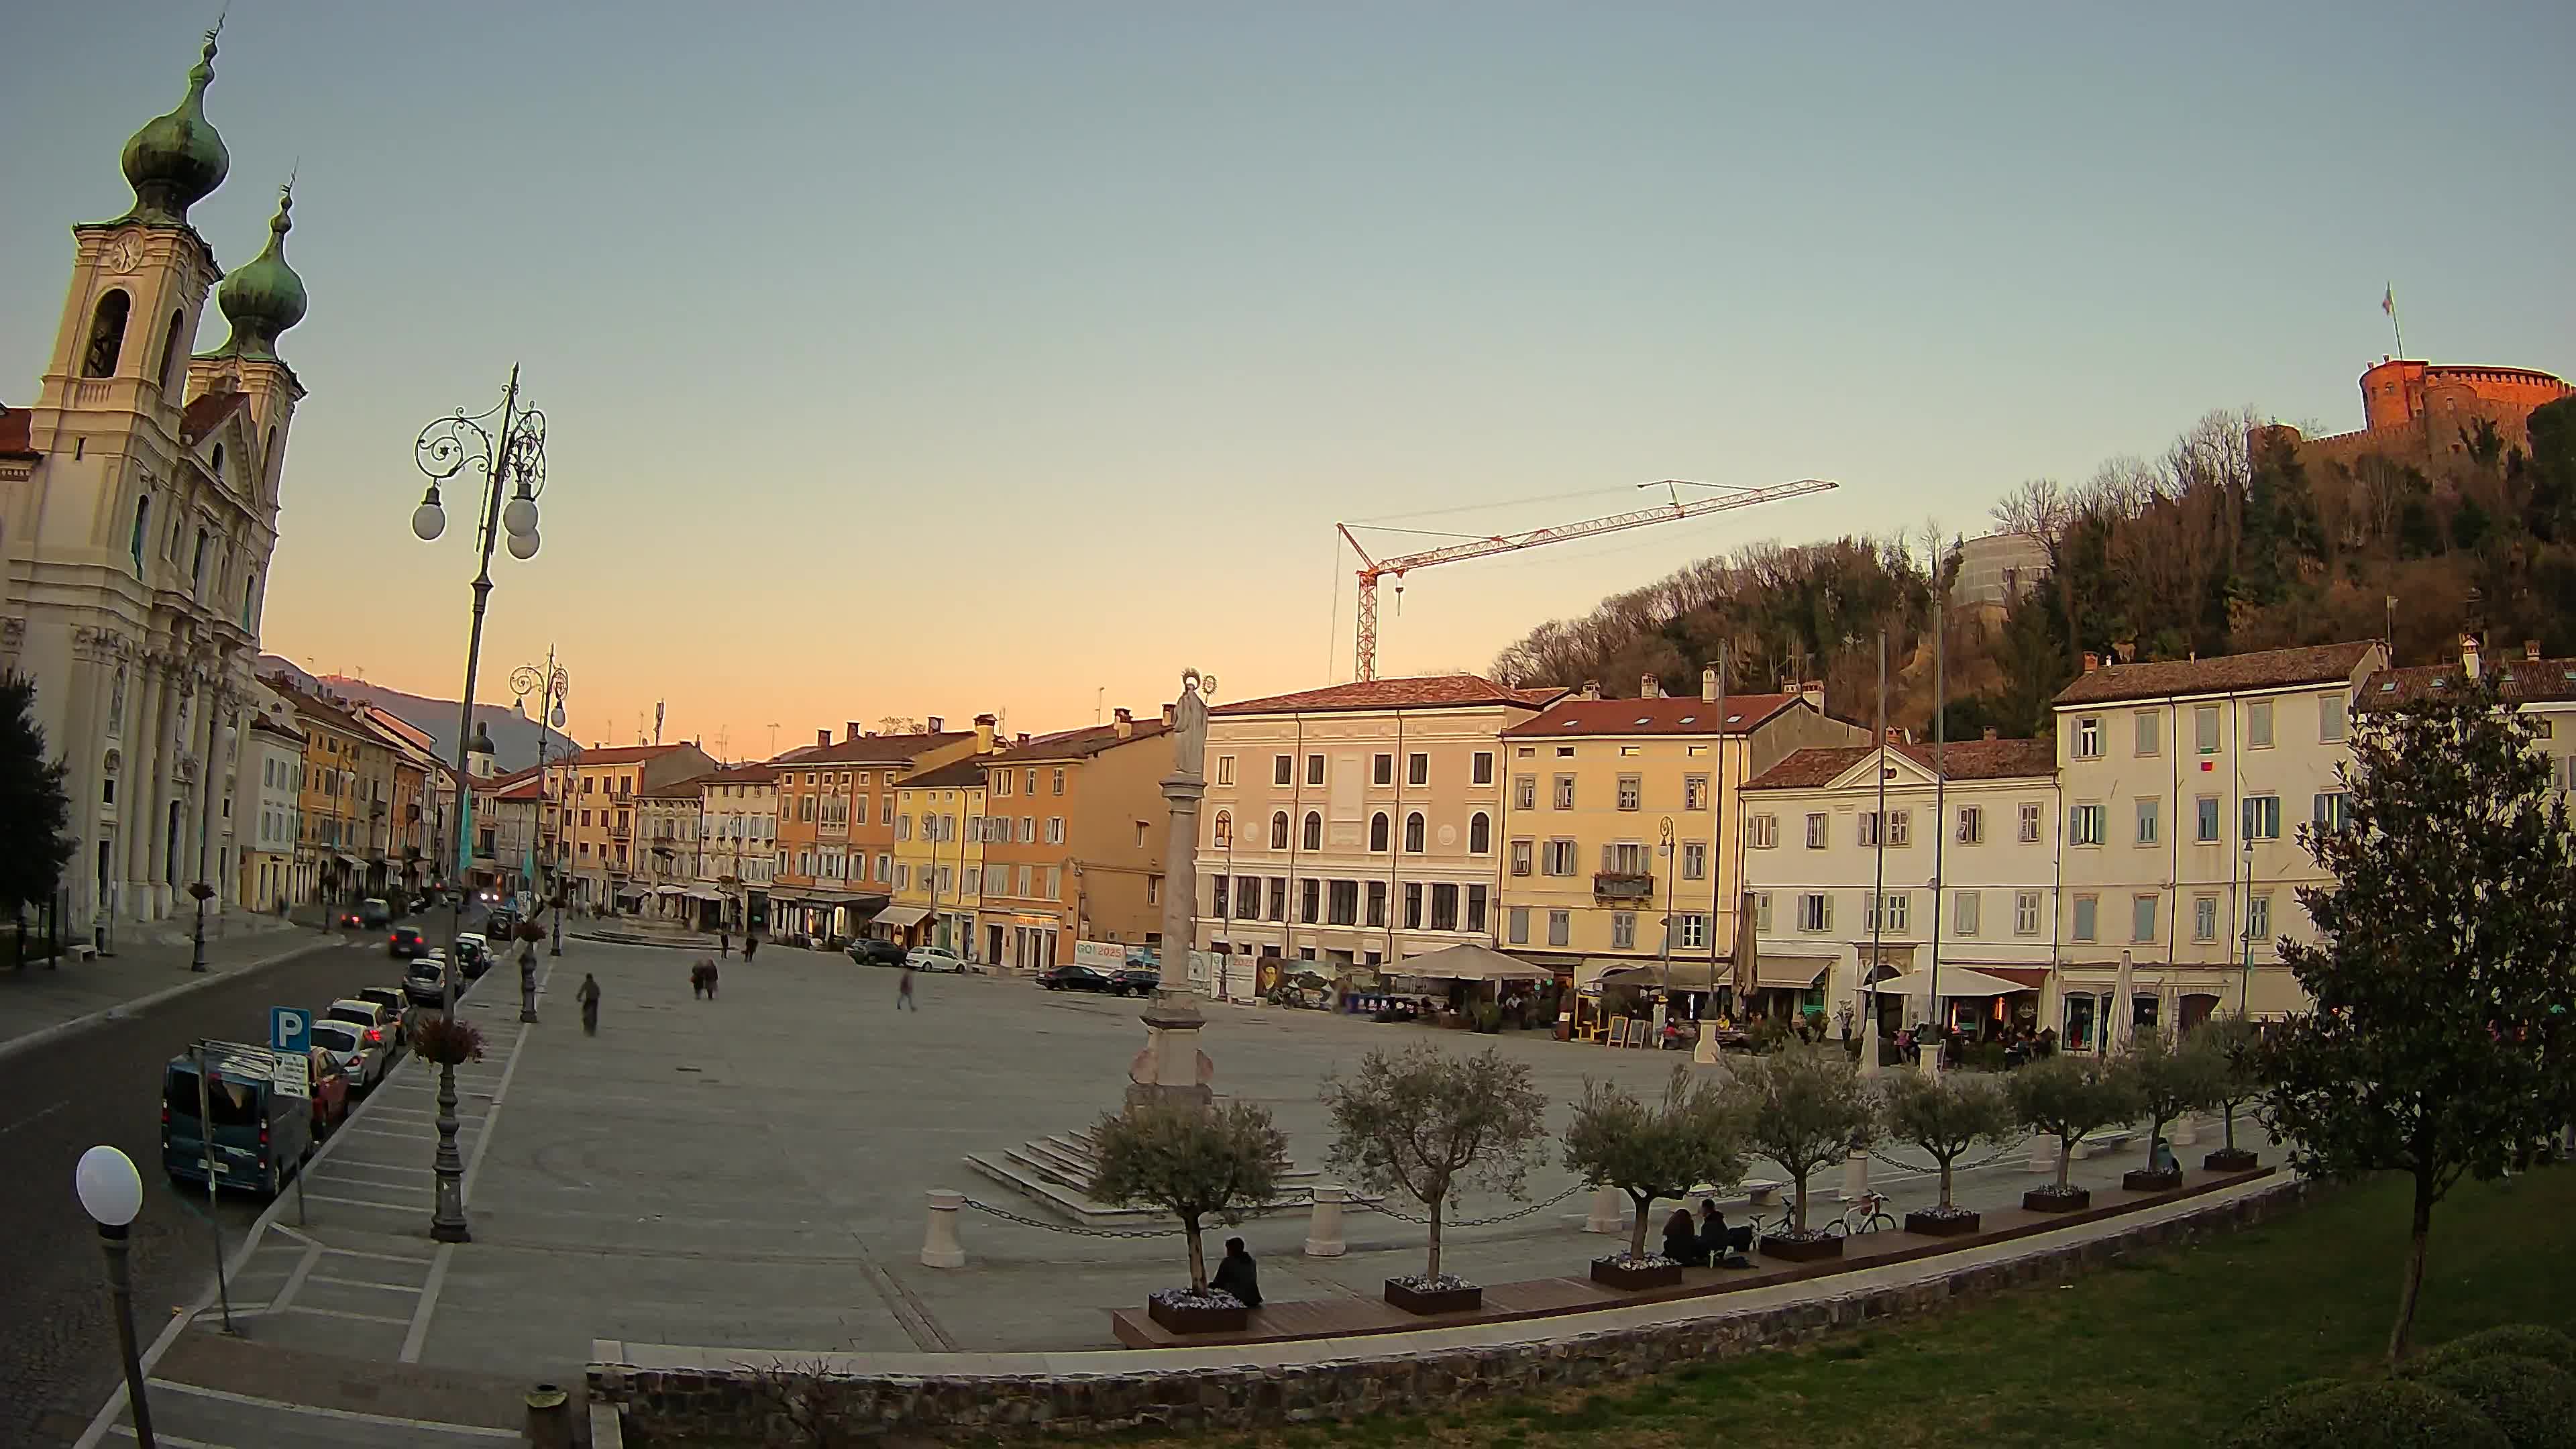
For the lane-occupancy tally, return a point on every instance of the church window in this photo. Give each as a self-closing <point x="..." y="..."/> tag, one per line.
<point x="142" y="517"/>
<point x="197" y="564"/>
<point x="107" y="335"/>
<point x="170" y="350"/>
<point x="219" y="462"/>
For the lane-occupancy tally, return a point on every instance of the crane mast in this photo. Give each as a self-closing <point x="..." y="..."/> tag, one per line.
<point x="1373" y="569"/>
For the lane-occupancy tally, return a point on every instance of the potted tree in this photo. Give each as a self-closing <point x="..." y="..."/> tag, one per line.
<point x="1804" y="1106"/>
<point x="1195" y="1163"/>
<point x="2066" y="1097"/>
<point x="446" y="1041"/>
<point x="1946" y="1116"/>
<point x="2235" y="1049"/>
<point x="1421" y="1122"/>
<point x="2170" y="1078"/>
<point x="1650" y="1153"/>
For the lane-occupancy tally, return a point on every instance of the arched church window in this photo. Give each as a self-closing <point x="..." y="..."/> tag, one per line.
<point x="170" y="350"/>
<point x="107" y="334"/>
<point x="197" y="564"/>
<point x="219" y="462"/>
<point x="142" y="517"/>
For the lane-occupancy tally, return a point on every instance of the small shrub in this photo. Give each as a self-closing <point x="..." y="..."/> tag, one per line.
<point x="2533" y="1402"/>
<point x="2528" y="1340"/>
<point x="445" y="1040"/>
<point x="2372" y="1414"/>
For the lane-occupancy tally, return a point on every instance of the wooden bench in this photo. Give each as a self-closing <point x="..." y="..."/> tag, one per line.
<point x="79" y="951"/>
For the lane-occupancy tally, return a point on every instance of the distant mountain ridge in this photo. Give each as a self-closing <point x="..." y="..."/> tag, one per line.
<point x="514" y="735"/>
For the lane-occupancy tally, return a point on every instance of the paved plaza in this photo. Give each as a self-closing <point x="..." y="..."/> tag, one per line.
<point x="750" y="1172"/>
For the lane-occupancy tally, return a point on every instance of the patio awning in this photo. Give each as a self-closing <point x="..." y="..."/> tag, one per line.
<point x="1792" y="973"/>
<point x="902" y="916"/>
<point x="704" y="893"/>
<point x="666" y="890"/>
<point x="351" y="861"/>
<point x="1699" y="975"/>
<point x="1468" y="961"/>
<point x="1957" y="981"/>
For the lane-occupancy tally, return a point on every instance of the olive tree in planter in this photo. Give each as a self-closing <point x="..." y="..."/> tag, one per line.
<point x="2170" y="1077"/>
<point x="1422" y="1122"/>
<point x="1947" y="1116"/>
<point x="2066" y="1097"/>
<point x="1195" y="1163"/>
<point x="1804" y="1107"/>
<point x="1652" y="1152"/>
<point x="2235" y="1051"/>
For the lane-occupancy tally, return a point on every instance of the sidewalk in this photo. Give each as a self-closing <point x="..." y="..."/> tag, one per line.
<point x="149" y="960"/>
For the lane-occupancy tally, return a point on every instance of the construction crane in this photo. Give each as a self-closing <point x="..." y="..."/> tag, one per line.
<point x="1373" y="569"/>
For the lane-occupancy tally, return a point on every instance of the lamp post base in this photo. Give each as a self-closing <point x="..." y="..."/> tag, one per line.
<point x="447" y="1220"/>
<point x="120" y="1289"/>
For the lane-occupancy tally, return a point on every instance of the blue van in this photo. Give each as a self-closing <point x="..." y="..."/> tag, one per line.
<point x="261" y="1135"/>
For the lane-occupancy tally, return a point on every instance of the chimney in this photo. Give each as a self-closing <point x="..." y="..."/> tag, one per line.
<point x="1990" y="732"/>
<point x="1124" y="722"/>
<point x="850" y="731"/>
<point x="1649" y="687"/>
<point x="935" y="725"/>
<point x="1023" y="739"/>
<point x="1592" y="689"/>
<point x="2469" y="655"/>
<point x="822" y="737"/>
<point x="2531" y="651"/>
<point x="984" y="728"/>
<point x="1708" y="686"/>
<point x="2092" y="661"/>
<point x="1895" y="736"/>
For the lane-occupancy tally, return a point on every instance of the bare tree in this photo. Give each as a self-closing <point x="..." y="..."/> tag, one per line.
<point x="2046" y="512"/>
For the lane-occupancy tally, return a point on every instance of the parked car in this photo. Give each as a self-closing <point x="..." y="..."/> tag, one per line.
<point x="473" y="954"/>
<point x="363" y="1064"/>
<point x="1072" y="976"/>
<point x="330" y="1088"/>
<point x="425" y="981"/>
<point x="933" y="958"/>
<point x="389" y="997"/>
<point x="377" y="1025"/>
<point x="374" y="914"/>
<point x="259" y="1134"/>
<point x="874" y="952"/>
<point x="405" y="942"/>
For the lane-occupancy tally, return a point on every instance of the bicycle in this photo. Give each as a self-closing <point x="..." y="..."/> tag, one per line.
<point x="1869" y="1215"/>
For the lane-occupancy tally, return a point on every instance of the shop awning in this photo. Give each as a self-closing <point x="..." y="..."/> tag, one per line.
<point x="666" y="890"/>
<point x="1700" y="975"/>
<point x="1468" y="961"/>
<point x="1956" y="981"/>
<point x="351" y="861"/>
<point x="902" y="916"/>
<point x="1792" y="973"/>
<point x="703" y="893"/>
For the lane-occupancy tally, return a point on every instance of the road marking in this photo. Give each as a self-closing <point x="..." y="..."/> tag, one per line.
<point x="427" y="1307"/>
<point x="379" y="1257"/>
<point x="351" y="1416"/>
<point x="173" y="1440"/>
<point x="342" y="1313"/>
<point x="391" y="1207"/>
<point x="364" y="1283"/>
<point x="374" y="1166"/>
<point x="32" y="1117"/>
<point x="295" y="1280"/>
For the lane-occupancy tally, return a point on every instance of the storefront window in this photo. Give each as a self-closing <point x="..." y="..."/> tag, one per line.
<point x="2079" y="1023"/>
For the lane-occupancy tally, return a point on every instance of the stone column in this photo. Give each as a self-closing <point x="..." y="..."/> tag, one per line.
<point x="1855" y="1175"/>
<point x="1324" y="1228"/>
<point x="1609" y="1212"/>
<point x="1171" y="1067"/>
<point x="146" y="778"/>
<point x="84" y="747"/>
<point x="940" y="1245"/>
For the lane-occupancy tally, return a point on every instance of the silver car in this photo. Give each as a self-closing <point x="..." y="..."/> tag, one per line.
<point x="347" y="1044"/>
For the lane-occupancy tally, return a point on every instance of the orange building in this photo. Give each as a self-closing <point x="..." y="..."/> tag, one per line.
<point x="2423" y="414"/>
<point x="1074" y="830"/>
<point x="596" y="791"/>
<point x="836" y="809"/>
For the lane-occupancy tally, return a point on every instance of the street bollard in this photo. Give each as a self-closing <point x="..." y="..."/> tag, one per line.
<point x="1324" y="1228"/>
<point x="2184" y="1132"/>
<point x="1609" y="1213"/>
<point x="940" y="1247"/>
<point x="2043" y="1153"/>
<point x="549" y="1417"/>
<point x="1855" y="1175"/>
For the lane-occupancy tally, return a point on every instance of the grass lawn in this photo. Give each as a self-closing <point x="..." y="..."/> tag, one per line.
<point x="2163" y="1349"/>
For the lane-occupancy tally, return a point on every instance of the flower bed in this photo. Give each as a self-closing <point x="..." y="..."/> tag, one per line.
<point x="1941" y="1222"/>
<point x="1653" y="1270"/>
<point x="1184" y="1310"/>
<point x="2148" y="1179"/>
<point x="1447" y="1293"/>
<point x="1811" y="1246"/>
<point x="2053" y="1200"/>
<point x="2230" y="1159"/>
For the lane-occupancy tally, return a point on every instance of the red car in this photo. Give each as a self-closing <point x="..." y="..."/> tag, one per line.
<point x="330" y="1093"/>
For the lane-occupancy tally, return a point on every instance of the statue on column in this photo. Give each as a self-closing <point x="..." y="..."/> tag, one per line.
<point x="1189" y="724"/>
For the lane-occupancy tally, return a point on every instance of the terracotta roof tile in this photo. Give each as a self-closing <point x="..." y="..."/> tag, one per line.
<point x="1810" y="768"/>
<point x="2536" y="681"/>
<point x="1436" y="691"/>
<point x="744" y="775"/>
<point x="873" y="749"/>
<point x="1664" y="715"/>
<point x="2226" y="673"/>
<point x="206" y="412"/>
<point x="622" y="754"/>
<point x="1077" y="744"/>
<point x="955" y="775"/>
<point x="17" y="438"/>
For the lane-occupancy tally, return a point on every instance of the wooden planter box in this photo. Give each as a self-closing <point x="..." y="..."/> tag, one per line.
<point x="1449" y="1300"/>
<point x="1932" y="1225"/>
<point x="1192" y="1319"/>
<point x="2036" y="1201"/>
<point x="1802" y="1250"/>
<point x="2148" y="1179"/>
<point x="1611" y="1273"/>
<point x="2231" y="1159"/>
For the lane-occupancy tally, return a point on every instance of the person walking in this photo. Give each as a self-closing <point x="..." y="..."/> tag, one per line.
<point x="903" y="990"/>
<point x="750" y="943"/>
<point x="1237" y="1274"/>
<point x="724" y="943"/>
<point x="589" y="998"/>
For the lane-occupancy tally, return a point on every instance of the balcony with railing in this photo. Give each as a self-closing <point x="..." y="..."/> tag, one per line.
<point x="1623" y="885"/>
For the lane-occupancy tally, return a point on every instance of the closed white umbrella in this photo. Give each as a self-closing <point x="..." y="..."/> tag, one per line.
<point x="2117" y="1031"/>
<point x="1868" y="1025"/>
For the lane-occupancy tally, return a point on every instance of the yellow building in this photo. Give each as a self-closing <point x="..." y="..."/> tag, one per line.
<point x="1620" y="818"/>
<point x="341" y="758"/>
<point x="596" y="790"/>
<point x="938" y="857"/>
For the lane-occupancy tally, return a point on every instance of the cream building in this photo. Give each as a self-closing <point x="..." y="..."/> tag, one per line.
<point x="1963" y="865"/>
<point x="738" y="835"/>
<point x="267" y="813"/>
<point x="138" y="510"/>
<point x="1358" y="824"/>
<point x="2185" y="783"/>
<point x="1594" y="785"/>
<point x="667" y="845"/>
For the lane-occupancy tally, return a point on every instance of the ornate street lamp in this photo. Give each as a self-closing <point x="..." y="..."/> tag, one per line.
<point x="550" y="685"/>
<point x="512" y="463"/>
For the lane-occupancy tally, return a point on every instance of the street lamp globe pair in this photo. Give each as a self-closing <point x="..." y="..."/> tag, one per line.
<point x="518" y="521"/>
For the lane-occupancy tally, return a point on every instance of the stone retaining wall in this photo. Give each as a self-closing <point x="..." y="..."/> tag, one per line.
<point x="730" y="1398"/>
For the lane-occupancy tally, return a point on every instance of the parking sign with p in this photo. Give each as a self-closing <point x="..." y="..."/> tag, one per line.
<point x="290" y="1029"/>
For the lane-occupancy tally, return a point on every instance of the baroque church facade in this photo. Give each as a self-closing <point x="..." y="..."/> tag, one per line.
<point x="138" y="513"/>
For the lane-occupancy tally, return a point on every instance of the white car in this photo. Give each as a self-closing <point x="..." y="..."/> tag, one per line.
<point x="933" y="958"/>
<point x="364" y="1065"/>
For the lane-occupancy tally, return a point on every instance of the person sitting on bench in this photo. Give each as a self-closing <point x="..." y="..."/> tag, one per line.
<point x="1681" y="1240"/>
<point x="1717" y="1242"/>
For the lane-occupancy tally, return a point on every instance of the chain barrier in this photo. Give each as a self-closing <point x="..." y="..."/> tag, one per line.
<point x="1425" y="1220"/>
<point x="1008" y="1216"/>
<point x="1928" y="1168"/>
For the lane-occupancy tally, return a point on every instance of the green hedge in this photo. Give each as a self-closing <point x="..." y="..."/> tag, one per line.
<point x="2534" y="1403"/>
<point x="2528" y="1340"/>
<point x="2371" y="1414"/>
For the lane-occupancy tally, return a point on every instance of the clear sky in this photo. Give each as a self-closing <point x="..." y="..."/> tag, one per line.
<point x="935" y="358"/>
